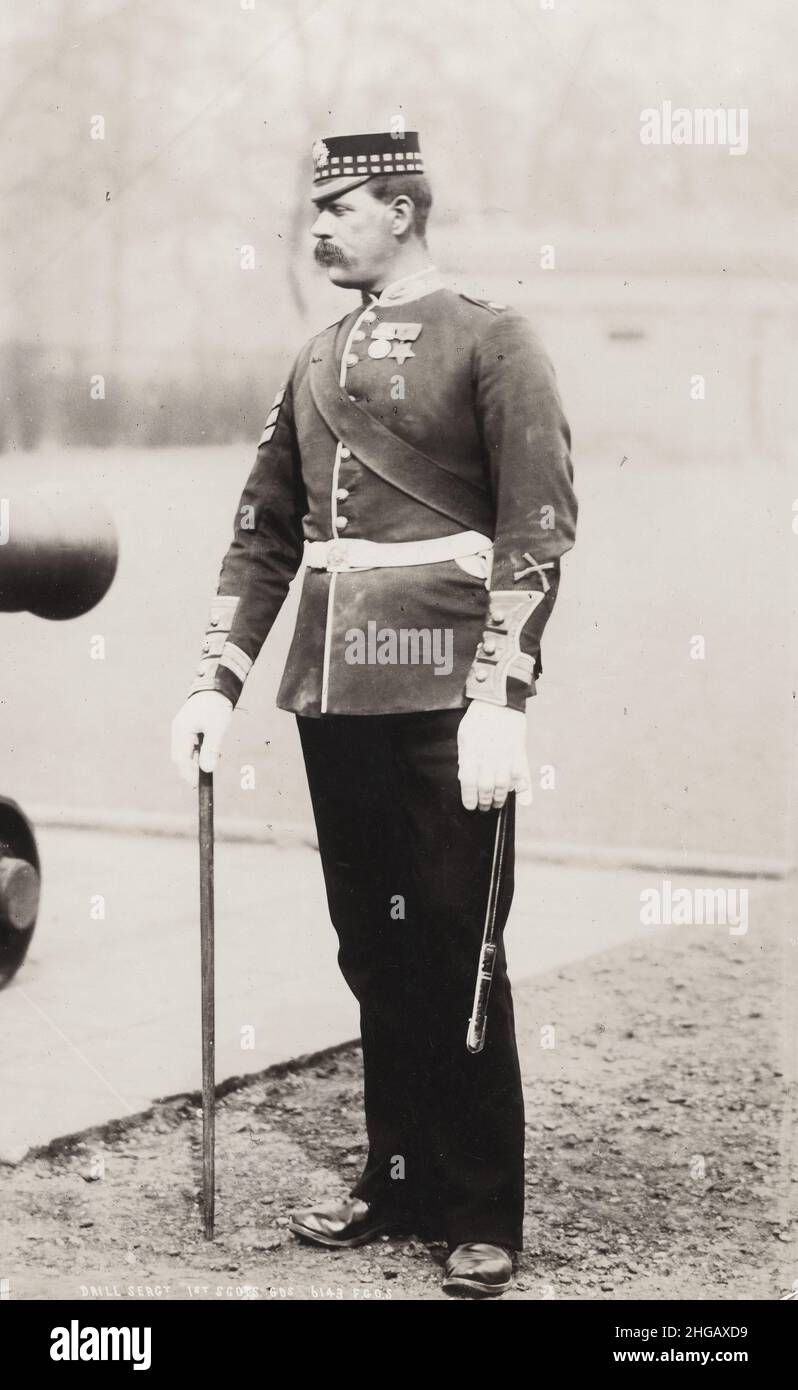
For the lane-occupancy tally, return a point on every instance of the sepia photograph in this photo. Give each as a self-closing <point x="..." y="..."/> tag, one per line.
<point x="398" y="546"/>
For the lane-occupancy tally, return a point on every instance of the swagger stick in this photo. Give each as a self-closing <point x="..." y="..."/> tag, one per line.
<point x="478" y="1022"/>
<point x="208" y="1038"/>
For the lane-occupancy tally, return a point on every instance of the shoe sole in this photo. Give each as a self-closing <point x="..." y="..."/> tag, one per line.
<point x="316" y="1237"/>
<point x="474" y="1288"/>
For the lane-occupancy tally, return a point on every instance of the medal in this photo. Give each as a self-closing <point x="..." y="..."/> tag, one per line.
<point x="393" y="340"/>
<point x="379" y="347"/>
<point x="400" y="351"/>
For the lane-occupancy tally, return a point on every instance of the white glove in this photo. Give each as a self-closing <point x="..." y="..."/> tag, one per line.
<point x="491" y="743"/>
<point x="208" y="712"/>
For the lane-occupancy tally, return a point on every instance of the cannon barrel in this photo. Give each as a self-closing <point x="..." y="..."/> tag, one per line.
<point x="58" y="553"/>
<point x="19" y="887"/>
<point x="58" y="556"/>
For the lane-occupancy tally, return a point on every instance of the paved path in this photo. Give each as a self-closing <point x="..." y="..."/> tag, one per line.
<point x="103" y="1017"/>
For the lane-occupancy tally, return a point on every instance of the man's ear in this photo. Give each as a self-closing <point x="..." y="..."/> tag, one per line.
<point x="403" y="215"/>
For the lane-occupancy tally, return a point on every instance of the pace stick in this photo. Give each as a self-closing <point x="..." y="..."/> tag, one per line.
<point x="207" y="972"/>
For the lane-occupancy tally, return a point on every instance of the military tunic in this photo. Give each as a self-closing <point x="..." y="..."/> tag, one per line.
<point x="467" y="386"/>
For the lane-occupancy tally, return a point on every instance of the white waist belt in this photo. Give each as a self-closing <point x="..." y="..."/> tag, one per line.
<point x="357" y="554"/>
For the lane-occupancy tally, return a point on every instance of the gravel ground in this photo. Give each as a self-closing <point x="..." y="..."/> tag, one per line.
<point x="661" y="1154"/>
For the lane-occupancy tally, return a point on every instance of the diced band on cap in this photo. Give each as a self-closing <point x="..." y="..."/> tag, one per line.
<point x="359" y="157"/>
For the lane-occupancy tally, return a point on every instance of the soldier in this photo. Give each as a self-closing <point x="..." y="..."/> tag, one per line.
<point x="418" y="458"/>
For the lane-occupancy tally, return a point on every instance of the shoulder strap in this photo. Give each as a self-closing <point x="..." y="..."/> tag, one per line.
<point x="391" y="458"/>
<point x="489" y="304"/>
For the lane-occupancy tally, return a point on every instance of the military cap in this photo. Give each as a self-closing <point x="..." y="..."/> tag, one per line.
<point x="341" y="162"/>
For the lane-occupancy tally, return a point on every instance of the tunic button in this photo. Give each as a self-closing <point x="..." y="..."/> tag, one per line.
<point x="352" y="359"/>
<point x="346" y="453"/>
<point x="358" y="337"/>
<point x="341" y="522"/>
<point x="497" y="618"/>
<point x="353" y="398"/>
<point x="341" y="494"/>
<point x="368" y="318"/>
<point x="214" y="622"/>
<point x="480" y="675"/>
<point x="489" y="647"/>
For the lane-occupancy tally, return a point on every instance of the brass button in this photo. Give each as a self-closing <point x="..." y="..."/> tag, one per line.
<point x="489" y="646"/>
<point x="353" y="398"/>
<point x="480" y="675"/>
<point x="352" y="359"/>
<point x="368" y="317"/>
<point x="341" y="522"/>
<point x="346" y="453"/>
<point x="341" y="494"/>
<point x="358" y="337"/>
<point x="214" y="622"/>
<point x="497" y="619"/>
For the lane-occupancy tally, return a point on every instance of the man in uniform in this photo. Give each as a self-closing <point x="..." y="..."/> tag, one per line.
<point x="417" y="458"/>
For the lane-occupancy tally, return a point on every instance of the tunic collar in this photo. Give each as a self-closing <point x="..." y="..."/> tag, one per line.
<point x="409" y="287"/>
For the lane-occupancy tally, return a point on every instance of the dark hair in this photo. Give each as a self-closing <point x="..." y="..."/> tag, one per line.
<point x="413" y="186"/>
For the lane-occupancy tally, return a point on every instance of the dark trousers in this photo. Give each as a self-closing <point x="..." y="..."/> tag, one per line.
<point x="407" y="870"/>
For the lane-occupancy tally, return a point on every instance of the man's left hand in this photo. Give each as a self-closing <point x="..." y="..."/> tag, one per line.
<point x="491" y="743"/>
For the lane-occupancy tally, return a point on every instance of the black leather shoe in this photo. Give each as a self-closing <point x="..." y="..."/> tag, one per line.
<point x="475" y="1270"/>
<point x="342" y="1222"/>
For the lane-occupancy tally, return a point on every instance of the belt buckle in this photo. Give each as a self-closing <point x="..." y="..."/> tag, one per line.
<point x="337" y="557"/>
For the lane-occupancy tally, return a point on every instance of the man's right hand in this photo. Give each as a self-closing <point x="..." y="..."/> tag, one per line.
<point x="207" y="713"/>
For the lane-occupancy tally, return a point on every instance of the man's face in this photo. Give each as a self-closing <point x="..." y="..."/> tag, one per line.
<point x="354" y="239"/>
